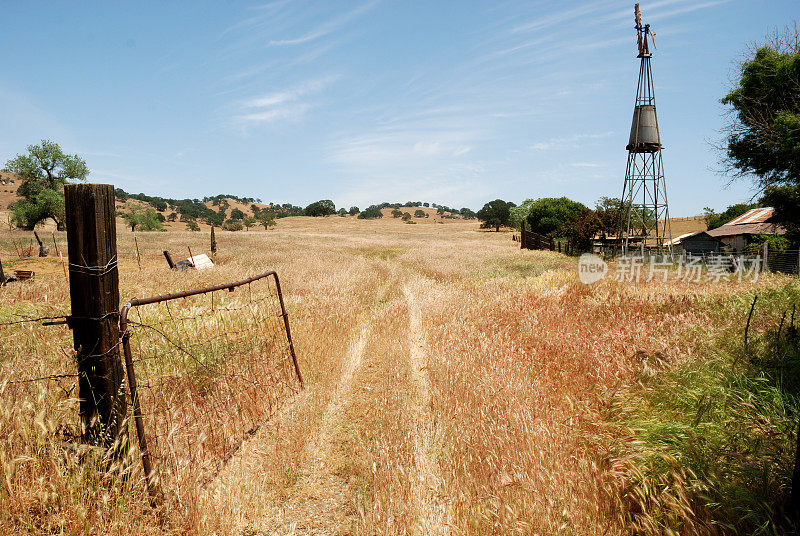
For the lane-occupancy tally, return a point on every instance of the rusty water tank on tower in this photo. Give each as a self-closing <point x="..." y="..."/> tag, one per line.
<point x="644" y="130"/>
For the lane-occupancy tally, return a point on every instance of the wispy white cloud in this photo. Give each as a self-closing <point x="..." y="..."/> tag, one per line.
<point x="568" y="16"/>
<point x="327" y="27"/>
<point x="585" y="165"/>
<point x="268" y="116"/>
<point x="273" y="26"/>
<point x="288" y="95"/>
<point x="568" y="143"/>
<point x="285" y="104"/>
<point x="660" y="15"/>
<point x="401" y="150"/>
<point x="410" y="156"/>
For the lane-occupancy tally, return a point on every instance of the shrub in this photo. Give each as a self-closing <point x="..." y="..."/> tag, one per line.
<point x="370" y="213"/>
<point x="144" y="220"/>
<point x="233" y="225"/>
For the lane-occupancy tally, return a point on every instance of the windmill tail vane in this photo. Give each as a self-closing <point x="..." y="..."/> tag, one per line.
<point x="642" y="31"/>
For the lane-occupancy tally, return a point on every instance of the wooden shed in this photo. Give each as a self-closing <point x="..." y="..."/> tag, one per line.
<point x="698" y="243"/>
<point x="738" y="232"/>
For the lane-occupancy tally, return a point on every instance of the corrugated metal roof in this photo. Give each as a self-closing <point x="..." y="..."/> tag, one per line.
<point x="677" y="240"/>
<point x="746" y="228"/>
<point x="755" y="215"/>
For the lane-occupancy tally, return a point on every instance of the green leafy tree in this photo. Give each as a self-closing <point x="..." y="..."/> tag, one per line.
<point x="249" y="221"/>
<point x="775" y="241"/>
<point x="406" y="216"/>
<point x="608" y="211"/>
<point x="370" y="213"/>
<point x="44" y="172"/>
<point x="548" y="215"/>
<point x="324" y="207"/>
<point x="518" y="213"/>
<point x="342" y="212"/>
<point x="580" y="228"/>
<point x="397" y="213"/>
<point x="493" y="214"/>
<point x="785" y="199"/>
<point x="215" y="218"/>
<point x="143" y="219"/>
<point x="419" y="213"/>
<point x="353" y="211"/>
<point x="763" y="137"/>
<point x="468" y="213"/>
<point x="266" y="218"/>
<point x="237" y="214"/>
<point x="714" y="220"/>
<point x="173" y="216"/>
<point x="192" y="225"/>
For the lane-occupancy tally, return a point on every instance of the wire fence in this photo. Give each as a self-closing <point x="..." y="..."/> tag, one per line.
<point x="776" y="261"/>
<point x="785" y="261"/>
<point x="205" y="368"/>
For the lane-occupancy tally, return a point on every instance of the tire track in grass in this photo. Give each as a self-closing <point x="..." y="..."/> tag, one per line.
<point x="432" y="510"/>
<point x="321" y="507"/>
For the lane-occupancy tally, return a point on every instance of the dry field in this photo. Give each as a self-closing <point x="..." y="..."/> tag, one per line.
<point x="454" y="385"/>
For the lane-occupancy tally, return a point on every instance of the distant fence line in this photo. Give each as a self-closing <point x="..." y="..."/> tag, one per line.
<point x="775" y="261"/>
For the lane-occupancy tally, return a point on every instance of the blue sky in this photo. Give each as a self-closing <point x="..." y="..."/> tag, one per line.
<point x="362" y="102"/>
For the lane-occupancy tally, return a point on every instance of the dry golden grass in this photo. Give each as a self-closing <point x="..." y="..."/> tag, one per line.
<point x="455" y="385"/>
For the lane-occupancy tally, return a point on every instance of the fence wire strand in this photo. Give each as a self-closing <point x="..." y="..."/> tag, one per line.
<point x="210" y="369"/>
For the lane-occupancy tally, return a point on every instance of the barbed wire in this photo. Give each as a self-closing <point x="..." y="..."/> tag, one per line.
<point x="97" y="271"/>
<point x="34" y="319"/>
<point x="210" y="369"/>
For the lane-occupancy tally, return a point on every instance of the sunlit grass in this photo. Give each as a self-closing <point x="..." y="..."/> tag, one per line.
<point x="557" y="408"/>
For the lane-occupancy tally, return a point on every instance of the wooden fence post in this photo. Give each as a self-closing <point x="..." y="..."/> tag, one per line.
<point x="213" y="240"/>
<point x="94" y="293"/>
<point x="522" y="235"/>
<point x="138" y="256"/>
<point x="169" y="259"/>
<point x="2" y="275"/>
<point x="764" y="255"/>
<point x="43" y="250"/>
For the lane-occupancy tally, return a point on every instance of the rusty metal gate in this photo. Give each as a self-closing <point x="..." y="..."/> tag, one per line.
<point x="206" y="368"/>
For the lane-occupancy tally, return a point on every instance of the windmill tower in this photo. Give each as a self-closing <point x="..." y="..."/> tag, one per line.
<point x="644" y="214"/>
